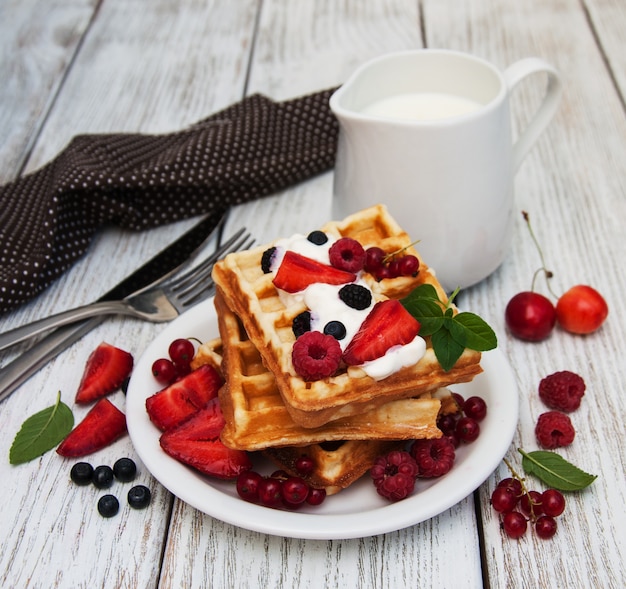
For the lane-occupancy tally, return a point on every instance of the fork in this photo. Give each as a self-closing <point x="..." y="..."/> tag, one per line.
<point x="160" y="301"/>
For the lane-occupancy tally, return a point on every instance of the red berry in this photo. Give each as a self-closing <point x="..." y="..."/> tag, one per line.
<point x="545" y="527"/>
<point x="315" y="355"/>
<point x="447" y="424"/>
<point x="181" y="352"/>
<point x="248" y="485"/>
<point x="164" y="371"/>
<point x="434" y="457"/>
<point x="409" y="265"/>
<point x="374" y="257"/>
<point x="316" y="496"/>
<point x="513" y="484"/>
<point x="467" y="429"/>
<point x="531" y="499"/>
<point x="476" y="408"/>
<point x="581" y="310"/>
<point x="514" y="524"/>
<point x="530" y="316"/>
<point x="394" y="268"/>
<point x="305" y="465"/>
<point x="503" y="499"/>
<point x="562" y="390"/>
<point x="394" y="475"/>
<point x="553" y="502"/>
<point x="294" y="491"/>
<point x="270" y="493"/>
<point x="554" y="429"/>
<point x="347" y="254"/>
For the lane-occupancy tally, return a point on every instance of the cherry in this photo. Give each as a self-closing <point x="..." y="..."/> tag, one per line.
<point x="530" y="316"/>
<point x="581" y="310"/>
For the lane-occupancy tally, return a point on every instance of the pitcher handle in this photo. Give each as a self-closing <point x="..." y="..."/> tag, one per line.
<point x="513" y="75"/>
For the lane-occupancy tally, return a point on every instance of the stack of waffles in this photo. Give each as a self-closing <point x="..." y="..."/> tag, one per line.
<point x="346" y="420"/>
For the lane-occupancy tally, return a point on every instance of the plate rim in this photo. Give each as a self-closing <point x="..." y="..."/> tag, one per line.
<point x="207" y="495"/>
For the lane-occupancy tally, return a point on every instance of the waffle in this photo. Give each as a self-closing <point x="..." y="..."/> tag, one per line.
<point x="250" y="294"/>
<point x="256" y="416"/>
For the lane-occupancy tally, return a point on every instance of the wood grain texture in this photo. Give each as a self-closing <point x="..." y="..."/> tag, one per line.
<point x="156" y="66"/>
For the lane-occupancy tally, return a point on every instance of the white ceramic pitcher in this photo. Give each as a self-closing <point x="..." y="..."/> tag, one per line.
<point x="448" y="181"/>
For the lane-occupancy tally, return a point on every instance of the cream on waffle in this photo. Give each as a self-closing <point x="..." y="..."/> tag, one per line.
<point x="256" y="416"/>
<point x="251" y="295"/>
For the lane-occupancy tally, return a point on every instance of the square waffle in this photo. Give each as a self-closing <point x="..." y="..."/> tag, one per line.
<point x="256" y="416"/>
<point x="251" y="295"/>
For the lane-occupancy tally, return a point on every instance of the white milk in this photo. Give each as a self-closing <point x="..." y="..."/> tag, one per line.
<point x="423" y="106"/>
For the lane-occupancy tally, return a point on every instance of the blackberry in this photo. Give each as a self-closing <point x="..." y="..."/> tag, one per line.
<point x="301" y="323"/>
<point x="266" y="259"/>
<point x="356" y="296"/>
<point x="335" y="328"/>
<point x="317" y="237"/>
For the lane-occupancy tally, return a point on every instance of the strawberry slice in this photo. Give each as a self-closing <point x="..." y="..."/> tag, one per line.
<point x="178" y="401"/>
<point x="388" y="324"/>
<point x="106" y="369"/>
<point x="296" y="272"/>
<point x="196" y="442"/>
<point x="104" y="424"/>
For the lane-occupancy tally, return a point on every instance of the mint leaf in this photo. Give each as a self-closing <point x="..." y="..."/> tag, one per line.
<point x="446" y="348"/>
<point x="41" y="432"/>
<point x="479" y="336"/>
<point x="427" y="312"/>
<point x="555" y="471"/>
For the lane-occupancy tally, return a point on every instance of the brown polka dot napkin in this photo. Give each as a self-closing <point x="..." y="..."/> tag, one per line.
<point x="254" y="148"/>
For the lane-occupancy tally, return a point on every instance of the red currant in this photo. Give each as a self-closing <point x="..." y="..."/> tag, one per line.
<point x="305" y="465"/>
<point x="476" y="408"/>
<point x="316" y="496"/>
<point x="514" y="524"/>
<point x="545" y="527"/>
<point x="270" y="493"/>
<point x="531" y="499"/>
<point x="503" y="499"/>
<point x="181" y="351"/>
<point x="552" y="502"/>
<point x="374" y="257"/>
<point x="409" y="265"/>
<point x="248" y="485"/>
<point x="512" y="483"/>
<point x="581" y="310"/>
<point x="164" y="371"/>
<point x="530" y="316"/>
<point x="294" y="491"/>
<point x="467" y="429"/>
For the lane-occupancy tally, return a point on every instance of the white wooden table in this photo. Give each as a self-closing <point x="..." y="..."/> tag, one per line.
<point x="70" y="67"/>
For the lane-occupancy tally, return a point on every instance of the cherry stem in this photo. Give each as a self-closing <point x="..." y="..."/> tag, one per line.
<point x="397" y="252"/>
<point x="547" y="273"/>
<point x="521" y="479"/>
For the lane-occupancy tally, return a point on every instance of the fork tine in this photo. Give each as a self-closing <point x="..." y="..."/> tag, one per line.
<point x="202" y="285"/>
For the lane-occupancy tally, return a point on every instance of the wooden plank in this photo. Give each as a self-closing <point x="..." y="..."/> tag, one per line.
<point x="38" y="43"/>
<point x="145" y="66"/>
<point x="572" y="183"/>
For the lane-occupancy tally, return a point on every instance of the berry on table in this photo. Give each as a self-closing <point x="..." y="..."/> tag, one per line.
<point x="554" y="430"/>
<point x="139" y="497"/>
<point x="102" y="476"/>
<point x="125" y="469"/>
<point x="81" y="473"/>
<point x="504" y="499"/>
<point x="531" y="503"/>
<point x="530" y="316"/>
<point x="552" y="502"/>
<point x="545" y="527"/>
<point x="581" y="310"/>
<point x="562" y="390"/>
<point x="514" y="524"/>
<point x="108" y="506"/>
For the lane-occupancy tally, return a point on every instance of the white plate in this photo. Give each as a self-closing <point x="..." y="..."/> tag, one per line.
<point x="356" y="512"/>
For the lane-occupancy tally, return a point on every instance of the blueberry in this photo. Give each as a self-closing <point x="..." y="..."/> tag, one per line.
<point x="301" y="323"/>
<point x="139" y="497"/>
<point x="81" y="473"/>
<point x="102" y="477"/>
<point x="266" y="259"/>
<point x="335" y="328"/>
<point x="125" y="470"/>
<point x="317" y="237"/>
<point x="108" y="505"/>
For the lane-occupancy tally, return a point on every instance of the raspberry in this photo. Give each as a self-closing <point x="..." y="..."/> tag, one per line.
<point x="434" y="457"/>
<point x="562" y="390"/>
<point x="554" y="429"/>
<point x="266" y="260"/>
<point x="347" y="254"/>
<point x="355" y="296"/>
<point x="316" y="356"/>
<point x="394" y="475"/>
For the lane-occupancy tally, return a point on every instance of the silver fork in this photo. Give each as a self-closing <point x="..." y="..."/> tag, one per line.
<point x="162" y="300"/>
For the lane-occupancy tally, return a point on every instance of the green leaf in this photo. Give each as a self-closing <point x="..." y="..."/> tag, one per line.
<point x="446" y="349"/>
<point x="41" y="432"/>
<point x="428" y="312"/>
<point x="555" y="471"/>
<point x="479" y="335"/>
<point x="423" y="291"/>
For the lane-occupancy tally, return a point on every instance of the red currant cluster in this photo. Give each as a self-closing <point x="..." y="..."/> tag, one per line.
<point x="382" y="265"/>
<point x="281" y="490"/>
<point x="517" y="507"/>
<point x="464" y="424"/>
<point x="167" y="370"/>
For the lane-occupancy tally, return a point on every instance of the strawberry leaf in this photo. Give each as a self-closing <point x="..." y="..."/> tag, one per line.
<point x="446" y="348"/>
<point x="41" y="432"/>
<point x="555" y="471"/>
<point x="479" y="336"/>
